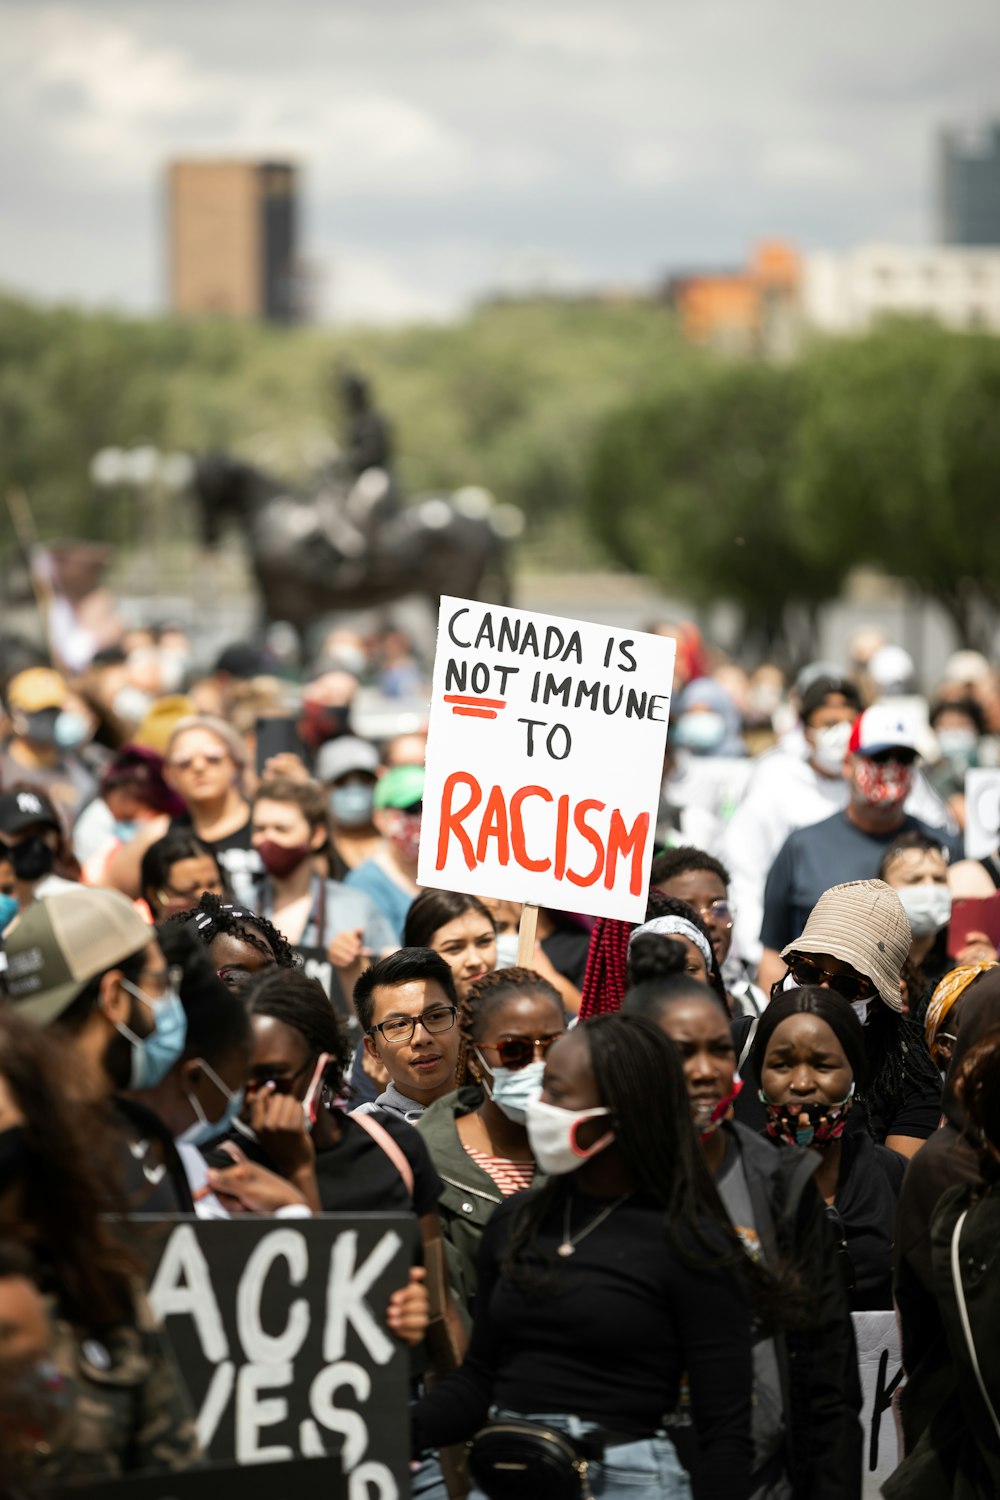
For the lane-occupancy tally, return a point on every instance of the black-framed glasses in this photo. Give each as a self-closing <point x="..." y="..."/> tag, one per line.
<point x="897" y="753"/>
<point x="850" y="986"/>
<point x="518" y="1051"/>
<point x="400" y="1029"/>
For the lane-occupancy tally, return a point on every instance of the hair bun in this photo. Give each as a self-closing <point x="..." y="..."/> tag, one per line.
<point x="654" y="956"/>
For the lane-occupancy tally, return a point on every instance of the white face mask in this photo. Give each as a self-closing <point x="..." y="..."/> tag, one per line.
<point x="512" y="1089"/>
<point x="506" y="950"/>
<point x="860" y="1009"/>
<point x="927" y="906"/>
<point x="552" y="1136"/>
<point x="830" y="748"/>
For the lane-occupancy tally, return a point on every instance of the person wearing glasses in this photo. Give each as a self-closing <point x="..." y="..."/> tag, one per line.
<point x="855" y="942"/>
<point x="702" y="881"/>
<point x="407" y="1008"/>
<point x="879" y="770"/>
<point x="811" y="1058"/>
<point x="204" y="764"/>
<point x="807" y="1440"/>
<point x="477" y="1137"/>
<point x="176" y="872"/>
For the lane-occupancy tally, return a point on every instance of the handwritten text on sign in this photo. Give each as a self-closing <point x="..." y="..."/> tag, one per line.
<point x="544" y="759"/>
<point x="278" y="1330"/>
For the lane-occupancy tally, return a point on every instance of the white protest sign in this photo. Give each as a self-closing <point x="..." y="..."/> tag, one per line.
<point x="982" y="811"/>
<point x="880" y="1365"/>
<point x="544" y="759"/>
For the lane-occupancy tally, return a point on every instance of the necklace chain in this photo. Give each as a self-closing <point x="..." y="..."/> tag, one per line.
<point x="570" y="1241"/>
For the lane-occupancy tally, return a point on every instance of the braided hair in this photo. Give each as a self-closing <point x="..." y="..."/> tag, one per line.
<point x="484" y="997"/>
<point x="899" y="1065"/>
<point x="607" y="973"/>
<point x="300" y="1002"/>
<point x="212" y="917"/>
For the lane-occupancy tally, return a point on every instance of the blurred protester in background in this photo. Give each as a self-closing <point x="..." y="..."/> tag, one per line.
<point x="703" y="882"/>
<point x="916" y="867"/>
<point x="959" y="727"/>
<point x="477" y="1137"/>
<point x="787" y="791"/>
<point x="348" y="769"/>
<point x="241" y="944"/>
<point x="133" y="794"/>
<point x="99" y="1359"/>
<point x="205" y="760"/>
<point x="848" y="846"/>
<point x="406" y="749"/>
<point x="400" y="674"/>
<point x="459" y="928"/>
<point x="326" y="705"/>
<point x="389" y="877"/>
<point x="85" y="963"/>
<point x="176" y="872"/>
<point x="855" y="942"/>
<point x="333" y="929"/>
<point x="38" y="851"/>
<point x="42" y="741"/>
<point x="562" y="945"/>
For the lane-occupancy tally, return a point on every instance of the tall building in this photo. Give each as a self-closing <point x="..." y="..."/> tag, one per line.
<point x="970" y="186"/>
<point x="232" y="239"/>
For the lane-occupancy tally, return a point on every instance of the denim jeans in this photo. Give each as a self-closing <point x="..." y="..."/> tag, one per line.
<point x="645" y="1467"/>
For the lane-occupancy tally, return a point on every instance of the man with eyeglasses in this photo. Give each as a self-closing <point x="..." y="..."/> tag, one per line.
<point x="407" y="1008"/>
<point x="879" y="770"/>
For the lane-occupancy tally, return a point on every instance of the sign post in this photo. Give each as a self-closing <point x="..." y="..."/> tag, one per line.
<point x="544" y="761"/>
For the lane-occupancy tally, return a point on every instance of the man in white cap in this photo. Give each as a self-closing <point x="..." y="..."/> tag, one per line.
<point x="879" y="769"/>
<point x="855" y="943"/>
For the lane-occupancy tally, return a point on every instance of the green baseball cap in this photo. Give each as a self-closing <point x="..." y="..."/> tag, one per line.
<point x="59" y="944"/>
<point x="401" y="787"/>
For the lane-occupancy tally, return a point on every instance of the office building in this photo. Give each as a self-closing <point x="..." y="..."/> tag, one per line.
<point x="848" y="292"/>
<point x="969" y="186"/>
<point x="232" y="239"/>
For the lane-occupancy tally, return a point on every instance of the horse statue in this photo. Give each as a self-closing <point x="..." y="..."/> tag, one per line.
<point x="349" y="544"/>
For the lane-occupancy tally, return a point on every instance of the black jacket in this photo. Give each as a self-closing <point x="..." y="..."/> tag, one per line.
<point x="817" y="1360"/>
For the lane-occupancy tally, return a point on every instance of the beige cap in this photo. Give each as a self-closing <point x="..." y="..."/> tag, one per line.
<point x="863" y="924"/>
<point x="59" y="944"/>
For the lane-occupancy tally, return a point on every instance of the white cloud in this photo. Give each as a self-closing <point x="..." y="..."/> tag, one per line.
<point x="571" y="31"/>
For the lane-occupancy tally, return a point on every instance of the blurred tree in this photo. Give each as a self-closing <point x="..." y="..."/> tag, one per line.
<point x="897" y="462"/>
<point x="691" y="486"/>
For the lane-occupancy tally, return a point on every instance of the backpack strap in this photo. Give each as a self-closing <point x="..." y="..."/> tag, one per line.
<point x="390" y="1146"/>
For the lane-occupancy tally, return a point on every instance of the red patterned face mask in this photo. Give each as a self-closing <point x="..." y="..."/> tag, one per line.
<point x="882" y="783"/>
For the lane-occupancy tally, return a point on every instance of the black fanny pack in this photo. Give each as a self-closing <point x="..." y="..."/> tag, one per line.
<point x="512" y="1459"/>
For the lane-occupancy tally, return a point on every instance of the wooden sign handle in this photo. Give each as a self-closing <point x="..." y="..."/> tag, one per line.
<point x="526" y="935"/>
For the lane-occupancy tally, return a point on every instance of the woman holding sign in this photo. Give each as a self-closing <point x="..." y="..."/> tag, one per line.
<point x="600" y="1289"/>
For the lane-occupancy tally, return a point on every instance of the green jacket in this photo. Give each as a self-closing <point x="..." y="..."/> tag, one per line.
<point x="470" y="1195"/>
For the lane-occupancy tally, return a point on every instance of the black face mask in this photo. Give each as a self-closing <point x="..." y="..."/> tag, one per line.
<point x="15" y="1156"/>
<point x="32" y="859"/>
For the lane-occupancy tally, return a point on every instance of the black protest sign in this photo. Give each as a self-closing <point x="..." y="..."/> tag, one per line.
<point x="278" y="1327"/>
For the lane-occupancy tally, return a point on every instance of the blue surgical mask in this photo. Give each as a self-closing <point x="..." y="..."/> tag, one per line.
<point x="153" y="1056"/>
<point x="204" y="1131"/>
<point x="72" y="729"/>
<point x="8" y="910"/>
<point x="352" y="804"/>
<point x="124" y="831"/>
<point x="512" y="1090"/>
<point x="701" y="732"/>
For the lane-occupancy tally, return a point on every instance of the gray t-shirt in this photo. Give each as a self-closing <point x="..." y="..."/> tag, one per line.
<point x="813" y="859"/>
<point x="768" y="1416"/>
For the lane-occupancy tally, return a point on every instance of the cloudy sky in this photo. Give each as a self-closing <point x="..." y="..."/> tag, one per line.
<point x="450" y="147"/>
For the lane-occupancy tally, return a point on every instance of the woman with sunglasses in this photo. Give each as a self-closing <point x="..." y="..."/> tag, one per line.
<point x="807" y="1440"/>
<point x="856" y="942"/>
<point x="809" y="1054"/>
<point x="477" y="1137"/>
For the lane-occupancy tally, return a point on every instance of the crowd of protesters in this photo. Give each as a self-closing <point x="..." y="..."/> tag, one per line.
<point x="656" y="1168"/>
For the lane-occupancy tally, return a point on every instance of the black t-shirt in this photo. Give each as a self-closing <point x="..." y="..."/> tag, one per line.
<point x="356" y="1175"/>
<point x="867" y="1189"/>
<point x="235" y="854"/>
<point x="609" y="1343"/>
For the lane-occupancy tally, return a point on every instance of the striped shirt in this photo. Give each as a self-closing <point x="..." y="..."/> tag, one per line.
<point x="509" y="1176"/>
